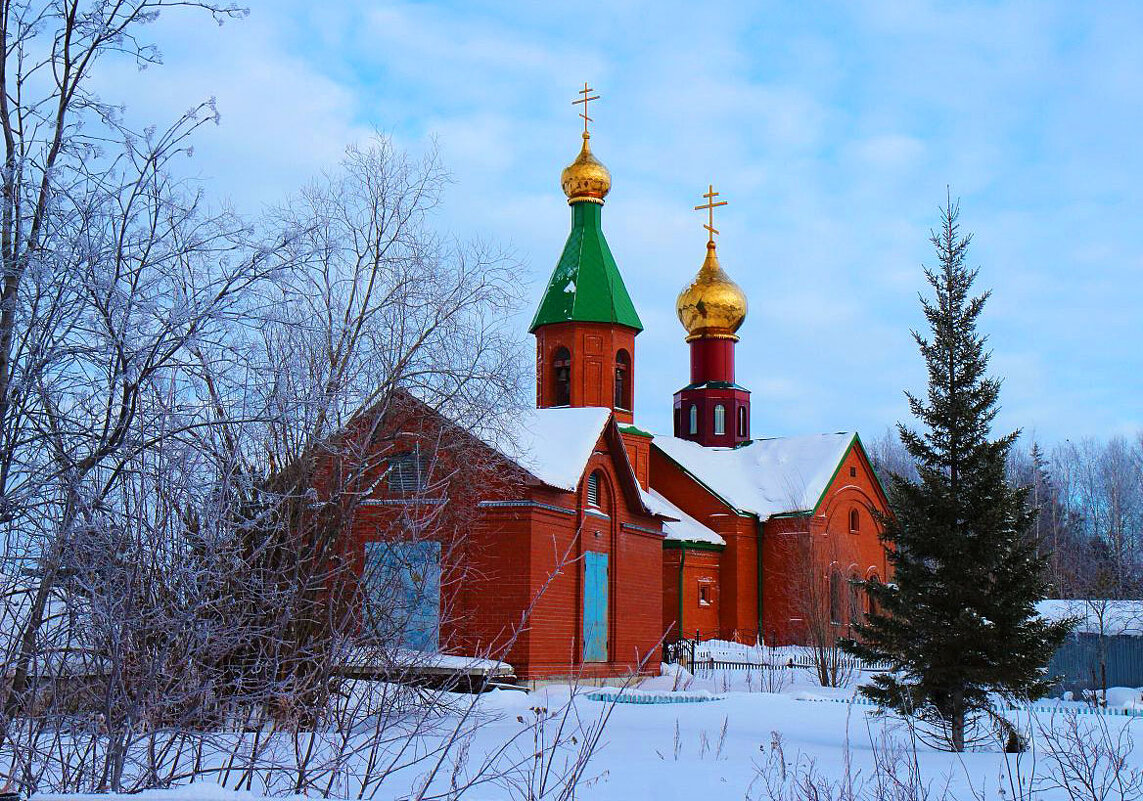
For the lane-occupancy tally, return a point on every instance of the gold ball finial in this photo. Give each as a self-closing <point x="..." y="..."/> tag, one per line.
<point x="712" y="305"/>
<point x="585" y="180"/>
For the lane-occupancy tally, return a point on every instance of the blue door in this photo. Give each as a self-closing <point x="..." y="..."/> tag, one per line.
<point x="403" y="593"/>
<point x="594" y="607"/>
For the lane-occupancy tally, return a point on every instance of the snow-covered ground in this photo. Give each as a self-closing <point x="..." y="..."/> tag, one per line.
<point x="729" y="732"/>
<point x="719" y="748"/>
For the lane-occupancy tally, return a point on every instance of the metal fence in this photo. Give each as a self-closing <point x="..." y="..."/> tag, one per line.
<point x="686" y="654"/>
<point x="1081" y="663"/>
<point x="1087" y="661"/>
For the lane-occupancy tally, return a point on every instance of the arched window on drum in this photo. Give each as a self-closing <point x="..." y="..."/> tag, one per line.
<point x="719" y="419"/>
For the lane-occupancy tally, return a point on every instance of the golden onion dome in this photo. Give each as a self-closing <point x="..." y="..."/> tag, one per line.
<point x="585" y="180"/>
<point x="712" y="305"/>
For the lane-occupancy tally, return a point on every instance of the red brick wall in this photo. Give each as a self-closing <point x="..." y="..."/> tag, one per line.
<point x="791" y="555"/>
<point x="739" y="577"/>
<point x="555" y="639"/>
<point x="804" y="549"/>
<point x="785" y="546"/>
<point x="700" y="568"/>
<point x="738" y="563"/>
<point x="639" y="454"/>
<point x="502" y="560"/>
<point x="593" y="347"/>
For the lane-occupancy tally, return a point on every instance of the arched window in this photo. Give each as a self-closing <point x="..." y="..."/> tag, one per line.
<point x="871" y="607"/>
<point x="836" y="598"/>
<point x="855" y="605"/>
<point x="622" y="380"/>
<point x="742" y="421"/>
<point x="694" y="419"/>
<point x="854" y="521"/>
<point x="719" y="419"/>
<point x="561" y="372"/>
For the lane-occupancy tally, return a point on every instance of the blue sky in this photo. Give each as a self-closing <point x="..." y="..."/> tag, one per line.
<point x="831" y="128"/>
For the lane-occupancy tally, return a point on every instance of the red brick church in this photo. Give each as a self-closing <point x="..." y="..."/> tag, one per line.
<point x="605" y="540"/>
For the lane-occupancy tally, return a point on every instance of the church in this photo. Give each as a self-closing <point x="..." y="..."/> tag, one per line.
<point x="601" y="541"/>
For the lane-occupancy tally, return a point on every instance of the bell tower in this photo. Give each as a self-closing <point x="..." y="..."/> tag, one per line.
<point x="712" y="409"/>
<point x="586" y="324"/>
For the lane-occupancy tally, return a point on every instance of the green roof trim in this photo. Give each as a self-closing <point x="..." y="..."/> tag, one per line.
<point x="704" y="485"/>
<point x="714" y="385"/>
<point x="693" y="545"/>
<point x="836" y="470"/>
<point x="633" y="429"/>
<point x="586" y="285"/>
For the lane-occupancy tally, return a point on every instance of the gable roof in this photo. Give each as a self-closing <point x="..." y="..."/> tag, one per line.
<point x="586" y="285"/>
<point x="554" y="446"/>
<point x="681" y="527"/>
<point x="764" y="477"/>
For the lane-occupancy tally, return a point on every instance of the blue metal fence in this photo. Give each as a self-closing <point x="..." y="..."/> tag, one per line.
<point x="1079" y="665"/>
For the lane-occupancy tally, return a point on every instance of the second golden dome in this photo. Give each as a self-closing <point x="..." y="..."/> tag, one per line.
<point x="712" y="305"/>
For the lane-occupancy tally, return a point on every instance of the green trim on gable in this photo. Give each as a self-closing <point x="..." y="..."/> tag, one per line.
<point x="629" y="428"/>
<point x="586" y="285"/>
<point x="876" y="478"/>
<point x="836" y="470"/>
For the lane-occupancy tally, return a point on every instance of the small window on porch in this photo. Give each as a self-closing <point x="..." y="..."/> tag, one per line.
<point x="705" y="593"/>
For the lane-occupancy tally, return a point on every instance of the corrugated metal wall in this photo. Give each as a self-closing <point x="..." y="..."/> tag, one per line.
<point x="1077" y="662"/>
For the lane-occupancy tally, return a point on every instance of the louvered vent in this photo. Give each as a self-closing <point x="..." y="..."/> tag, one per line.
<point x="405" y="473"/>
<point x="593" y="489"/>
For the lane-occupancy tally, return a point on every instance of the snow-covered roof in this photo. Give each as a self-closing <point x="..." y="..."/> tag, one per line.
<point x="765" y="477"/>
<point x="683" y="528"/>
<point x="552" y="444"/>
<point x="1097" y="616"/>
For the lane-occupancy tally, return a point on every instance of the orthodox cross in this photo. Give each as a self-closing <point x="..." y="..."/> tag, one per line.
<point x="586" y="91"/>
<point x="709" y="207"/>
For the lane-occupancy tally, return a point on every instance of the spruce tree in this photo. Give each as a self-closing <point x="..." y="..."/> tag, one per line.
<point x="957" y="621"/>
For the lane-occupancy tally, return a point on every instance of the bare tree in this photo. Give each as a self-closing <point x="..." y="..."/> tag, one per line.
<point x="111" y="270"/>
<point x="1102" y="484"/>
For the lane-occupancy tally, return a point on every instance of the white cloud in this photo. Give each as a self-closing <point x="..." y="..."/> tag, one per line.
<point x="832" y="131"/>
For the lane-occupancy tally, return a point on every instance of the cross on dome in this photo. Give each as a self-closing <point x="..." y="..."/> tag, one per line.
<point x="709" y="207"/>
<point x="585" y="180"/>
<point x="586" y="91"/>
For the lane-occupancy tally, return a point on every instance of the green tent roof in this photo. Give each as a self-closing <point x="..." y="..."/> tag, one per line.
<point x="586" y="285"/>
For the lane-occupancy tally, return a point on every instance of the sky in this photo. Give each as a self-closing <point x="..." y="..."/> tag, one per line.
<point x="833" y="130"/>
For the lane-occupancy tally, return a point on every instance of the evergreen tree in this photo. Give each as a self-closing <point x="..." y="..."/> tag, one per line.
<point x="957" y="622"/>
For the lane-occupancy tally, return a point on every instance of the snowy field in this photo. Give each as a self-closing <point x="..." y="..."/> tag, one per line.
<point x="726" y="737"/>
<point x="721" y="748"/>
